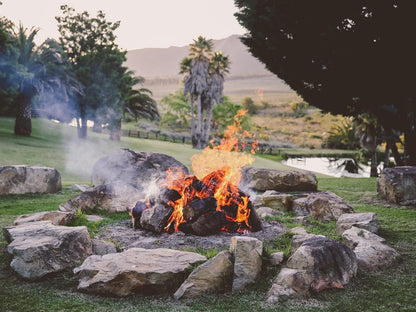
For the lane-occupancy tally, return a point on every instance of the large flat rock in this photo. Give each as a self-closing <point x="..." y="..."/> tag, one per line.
<point x="23" y="179"/>
<point x="40" y="248"/>
<point x="398" y="185"/>
<point x="136" y="270"/>
<point x="261" y="179"/>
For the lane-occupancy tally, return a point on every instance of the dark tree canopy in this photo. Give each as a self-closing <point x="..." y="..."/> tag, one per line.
<point x="346" y="57"/>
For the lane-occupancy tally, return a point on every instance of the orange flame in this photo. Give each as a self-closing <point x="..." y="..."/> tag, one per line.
<point x="219" y="169"/>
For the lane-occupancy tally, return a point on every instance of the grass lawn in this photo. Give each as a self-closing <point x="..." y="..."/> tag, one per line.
<point x="393" y="289"/>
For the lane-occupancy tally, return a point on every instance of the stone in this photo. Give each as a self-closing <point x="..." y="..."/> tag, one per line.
<point x="56" y="217"/>
<point x="371" y="250"/>
<point x="247" y="253"/>
<point x="278" y="201"/>
<point x="23" y="179"/>
<point x="94" y="218"/>
<point x="365" y="220"/>
<point x="298" y="239"/>
<point x="322" y="206"/>
<point x="276" y="258"/>
<point x="138" y="169"/>
<point x="319" y="263"/>
<point x="101" y="247"/>
<point x="154" y="219"/>
<point x="261" y="179"/>
<point x="40" y="248"/>
<point x="298" y="231"/>
<point x="264" y="212"/>
<point x="113" y="197"/>
<point x="136" y="270"/>
<point x="213" y="276"/>
<point x="398" y="185"/>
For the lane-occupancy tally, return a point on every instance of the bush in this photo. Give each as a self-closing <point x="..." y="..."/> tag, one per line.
<point x="299" y="108"/>
<point x="248" y="104"/>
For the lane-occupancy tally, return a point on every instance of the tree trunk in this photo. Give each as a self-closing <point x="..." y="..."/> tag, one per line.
<point x="115" y="132"/>
<point x="193" y="137"/>
<point x="82" y="127"/>
<point x="387" y="154"/>
<point x="208" y="125"/>
<point x="23" y="123"/>
<point x="373" y="170"/>
<point x="198" y="132"/>
<point x="397" y="158"/>
<point x="410" y="147"/>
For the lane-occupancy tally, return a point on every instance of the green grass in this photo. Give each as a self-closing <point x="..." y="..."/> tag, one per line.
<point x="393" y="289"/>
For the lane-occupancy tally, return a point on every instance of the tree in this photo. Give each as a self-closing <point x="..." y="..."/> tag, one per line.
<point x="346" y="57"/>
<point x="8" y="59"/>
<point x="178" y="113"/>
<point x="204" y="82"/>
<point x="89" y="43"/>
<point x="249" y="105"/>
<point x="39" y="70"/>
<point x="369" y="132"/>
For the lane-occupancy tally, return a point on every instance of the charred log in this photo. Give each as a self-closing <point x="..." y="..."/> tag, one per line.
<point x="254" y="220"/>
<point x="207" y="224"/>
<point x="198" y="207"/>
<point x="167" y="195"/>
<point x="136" y="213"/>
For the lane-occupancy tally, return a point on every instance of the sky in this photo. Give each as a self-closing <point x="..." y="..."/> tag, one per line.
<point x="144" y="23"/>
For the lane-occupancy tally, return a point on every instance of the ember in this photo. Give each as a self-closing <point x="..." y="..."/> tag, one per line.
<point x="209" y="201"/>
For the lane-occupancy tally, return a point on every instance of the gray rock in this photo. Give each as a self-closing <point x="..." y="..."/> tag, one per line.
<point x="322" y="206"/>
<point x="101" y="247"/>
<point x="136" y="270"/>
<point x="264" y="212"/>
<point x="135" y="168"/>
<point x="247" y="253"/>
<point x="276" y="258"/>
<point x="113" y="197"/>
<point x="371" y="250"/>
<point x="260" y="179"/>
<point x="398" y="185"/>
<point x="213" y="276"/>
<point x="319" y="263"/>
<point x="56" y="217"/>
<point x="23" y="179"/>
<point x="40" y="248"/>
<point x="154" y="219"/>
<point x="365" y="220"/>
<point x="278" y="201"/>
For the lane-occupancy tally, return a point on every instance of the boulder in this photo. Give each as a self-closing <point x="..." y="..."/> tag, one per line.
<point x="278" y="201"/>
<point x="23" y="179"/>
<point x="319" y="263"/>
<point x="213" y="276"/>
<point x="154" y="219"/>
<point x="113" y="197"/>
<point x="260" y="179"/>
<point x="264" y="212"/>
<point x="398" y="185"/>
<point x="40" y="248"/>
<point x="136" y="270"/>
<point x="101" y="247"/>
<point x="136" y="168"/>
<point x="365" y="220"/>
<point x="322" y="206"/>
<point x="247" y="253"/>
<point x="276" y="258"/>
<point x="56" y="217"/>
<point x="371" y="250"/>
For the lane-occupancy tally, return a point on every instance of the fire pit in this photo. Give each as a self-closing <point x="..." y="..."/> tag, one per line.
<point x="209" y="201"/>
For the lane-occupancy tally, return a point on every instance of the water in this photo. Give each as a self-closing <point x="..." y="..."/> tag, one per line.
<point x="329" y="166"/>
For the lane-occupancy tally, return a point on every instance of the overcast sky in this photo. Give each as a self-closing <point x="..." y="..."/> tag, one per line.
<point x="144" y="23"/>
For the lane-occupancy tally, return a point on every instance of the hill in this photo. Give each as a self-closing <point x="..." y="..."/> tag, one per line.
<point x="160" y="68"/>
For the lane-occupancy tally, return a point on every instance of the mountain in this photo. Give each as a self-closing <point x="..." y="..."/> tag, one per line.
<point x="164" y="62"/>
<point x="160" y="68"/>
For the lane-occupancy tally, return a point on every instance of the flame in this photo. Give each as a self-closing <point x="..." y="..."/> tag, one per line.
<point x="218" y="167"/>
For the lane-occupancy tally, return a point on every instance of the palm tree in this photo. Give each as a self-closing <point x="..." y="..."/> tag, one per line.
<point x="218" y="67"/>
<point x="196" y="68"/>
<point x="369" y="130"/>
<point x="204" y="82"/>
<point x="39" y="70"/>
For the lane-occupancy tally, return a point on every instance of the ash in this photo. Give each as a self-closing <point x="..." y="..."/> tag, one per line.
<point x="124" y="235"/>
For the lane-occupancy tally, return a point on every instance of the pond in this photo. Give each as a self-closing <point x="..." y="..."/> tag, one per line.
<point x="328" y="166"/>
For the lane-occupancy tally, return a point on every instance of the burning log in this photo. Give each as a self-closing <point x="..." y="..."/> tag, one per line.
<point x="206" y="224"/>
<point x="198" y="207"/>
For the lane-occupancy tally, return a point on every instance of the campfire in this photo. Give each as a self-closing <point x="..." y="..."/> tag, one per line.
<point x="209" y="201"/>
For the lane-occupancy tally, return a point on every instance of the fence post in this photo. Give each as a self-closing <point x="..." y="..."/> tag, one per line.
<point x="138" y="134"/>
